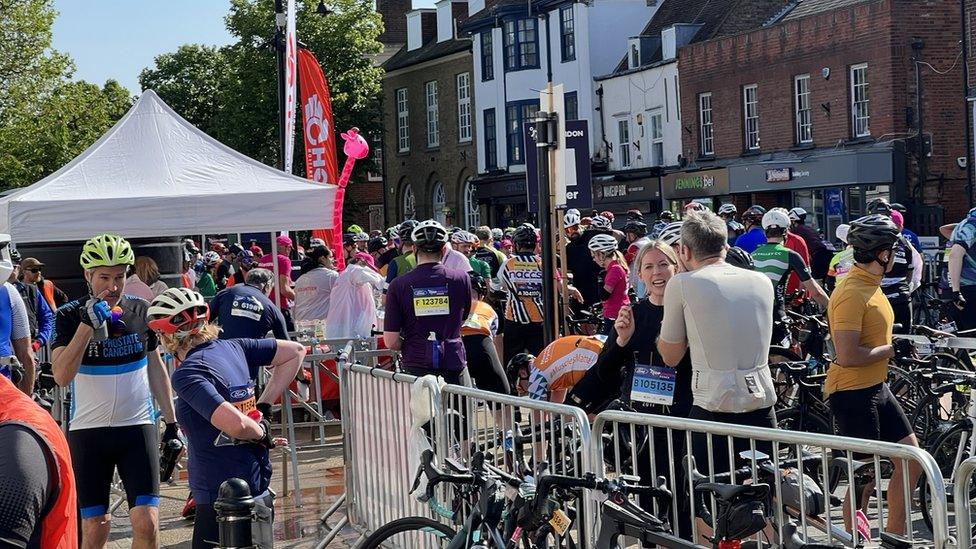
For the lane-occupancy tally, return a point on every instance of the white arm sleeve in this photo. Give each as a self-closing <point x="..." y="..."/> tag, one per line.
<point x="917" y="266"/>
<point x="19" y="325"/>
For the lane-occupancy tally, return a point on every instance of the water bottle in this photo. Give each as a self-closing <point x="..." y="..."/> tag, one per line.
<point x="169" y="456"/>
<point x="435" y="351"/>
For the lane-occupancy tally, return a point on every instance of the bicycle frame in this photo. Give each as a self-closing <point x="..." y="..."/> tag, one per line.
<point x="964" y="444"/>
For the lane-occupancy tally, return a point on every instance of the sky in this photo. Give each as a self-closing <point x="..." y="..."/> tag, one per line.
<point x="116" y="39"/>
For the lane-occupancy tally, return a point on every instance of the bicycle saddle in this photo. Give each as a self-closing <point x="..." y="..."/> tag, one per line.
<point x="732" y="492"/>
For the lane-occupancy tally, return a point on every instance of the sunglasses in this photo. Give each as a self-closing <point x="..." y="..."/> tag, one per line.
<point x="35" y="271"/>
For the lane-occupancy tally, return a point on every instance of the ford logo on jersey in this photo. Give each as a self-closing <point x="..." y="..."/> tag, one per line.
<point x="241" y="393"/>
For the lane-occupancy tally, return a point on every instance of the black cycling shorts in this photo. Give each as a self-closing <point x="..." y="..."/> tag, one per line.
<point x="872" y="413"/>
<point x="96" y="453"/>
<point x="484" y="365"/>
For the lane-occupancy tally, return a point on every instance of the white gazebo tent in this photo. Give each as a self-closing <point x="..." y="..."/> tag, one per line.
<point x="154" y="174"/>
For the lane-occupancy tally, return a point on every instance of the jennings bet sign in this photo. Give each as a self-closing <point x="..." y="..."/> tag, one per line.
<point x="695" y="184"/>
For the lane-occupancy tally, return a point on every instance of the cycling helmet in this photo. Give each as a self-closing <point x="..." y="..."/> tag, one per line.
<point x="636" y="227"/>
<point x="694" y="207"/>
<point x="607" y="214"/>
<point x="478" y="283"/>
<point x="178" y="311"/>
<point x="519" y="362"/>
<point x="727" y="209"/>
<point x="899" y="207"/>
<point x="666" y="215"/>
<point x="15" y="257"/>
<point x="497" y="234"/>
<point x="600" y="222"/>
<point x="316" y="242"/>
<point x="872" y="232"/>
<point x="354" y="229"/>
<point x="429" y="236"/>
<point x="671" y="233"/>
<point x="234" y="249"/>
<point x="211" y="258"/>
<point x="878" y="206"/>
<point x="360" y="237"/>
<point x="106" y="250"/>
<point x="348" y="240"/>
<point x="841" y="232"/>
<point x="798" y="214"/>
<point x="509" y="231"/>
<point x="754" y="215"/>
<point x="376" y="244"/>
<point x="571" y="219"/>
<point x="775" y="219"/>
<point x="405" y="230"/>
<point x="525" y="236"/>
<point x="635" y="215"/>
<point x="739" y="258"/>
<point x="602" y="243"/>
<point x="246" y="259"/>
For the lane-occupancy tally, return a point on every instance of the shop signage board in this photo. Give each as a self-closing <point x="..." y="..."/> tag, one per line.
<point x="695" y="184"/>
<point x="577" y="175"/>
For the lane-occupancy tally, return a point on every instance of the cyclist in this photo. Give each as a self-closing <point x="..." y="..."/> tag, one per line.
<point x="840" y="265"/>
<point x="206" y="284"/>
<point x="557" y="369"/>
<point x="961" y="270"/>
<point x="465" y="242"/>
<point x="362" y="240"/>
<point x="486" y="251"/>
<point x="426" y="307"/>
<point x="245" y="262"/>
<point x="721" y="314"/>
<point x="635" y="236"/>
<point x="861" y="321"/>
<point x="613" y="293"/>
<point x="38" y="498"/>
<point x="378" y="248"/>
<point x="728" y="212"/>
<point x="244" y="310"/>
<point x="105" y="350"/>
<point x="753" y="235"/>
<point x="578" y="261"/>
<point x="737" y="257"/>
<point x="406" y="261"/>
<point x="217" y="401"/>
<point x="777" y="262"/>
<point x="819" y="254"/>
<point x="283" y="292"/>
<point x="521" y="277"/>
<point x="903" y="278"/>
<point x="663" y="219"/>
<point x="478" y="335"/>
<point x="227" y="266"/>
<point x="905" y="231"/>
<point x="313" y="290"/>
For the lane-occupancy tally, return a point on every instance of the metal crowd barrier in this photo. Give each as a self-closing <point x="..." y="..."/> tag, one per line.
<point x="825" y="467"/>
<point x="962" y="502"/>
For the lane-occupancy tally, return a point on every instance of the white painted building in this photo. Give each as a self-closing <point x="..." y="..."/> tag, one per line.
<point x="515" y="54"/>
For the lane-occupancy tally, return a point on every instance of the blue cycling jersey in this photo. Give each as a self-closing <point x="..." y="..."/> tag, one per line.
<point x="751" y="240"/>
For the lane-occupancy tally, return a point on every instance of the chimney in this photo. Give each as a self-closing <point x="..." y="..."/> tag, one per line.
<point x="421" y="27"/>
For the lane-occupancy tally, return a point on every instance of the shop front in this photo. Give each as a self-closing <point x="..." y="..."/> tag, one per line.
<point x="504" y="198"/>
<point x="619" y="193"/>
<point x="706" y="186"/>
<point x="832" y="185"/>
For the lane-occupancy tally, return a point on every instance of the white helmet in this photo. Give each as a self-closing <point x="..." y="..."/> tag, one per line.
<point x="600" y="222"/>
<point x="797" y="214"/>
<point x="727" y="208"/>
<point x="360" y="237"/>
<point x="316" y="242"/>
<point x="572" y="218"/>
<point x="6" y="263"/>
<point x="179" y="311"/>
<point x="429" y="235"/>
<point x="776" y="218"/>
<point x="842" y="231"/>
<point x="211" y="258"/>
<point x="497" y="234"/>
<point x="671" y="233"/>
<point x="602" y="243"/>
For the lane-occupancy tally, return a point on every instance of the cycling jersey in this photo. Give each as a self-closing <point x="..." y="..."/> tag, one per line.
<point x="895" y="282"/>
<point x="964" y="235"/>
<point x="480" y="267"/>
<point x="777" y="262"/>
<point x="401" y="265"/>
<point x="751" y="239"/>
<point x="492" y="257"/>
<point x="111" y="388"/>
<point x="859" y="305"/>
<point x="245" y="311"/>
<point x="841" y="264"/>
<point x="616" y="279"/>
<point x="14" y="323"/>
<point x="482" y="320"/>
<point x="521" y="276"/>
<point x="561" y="364"/>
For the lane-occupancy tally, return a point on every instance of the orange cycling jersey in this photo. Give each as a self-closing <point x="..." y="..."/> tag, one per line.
<point x="562" y="363"/>
<point x="483" y="320"/>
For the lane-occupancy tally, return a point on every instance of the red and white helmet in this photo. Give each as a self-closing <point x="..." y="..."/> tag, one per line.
<point x="178" y="311"/>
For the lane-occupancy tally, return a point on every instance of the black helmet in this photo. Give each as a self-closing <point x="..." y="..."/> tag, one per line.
<point x="430" y="236"/>
<point x="15" y="257"/>
<point x="478" y="283"/>
<point x="872" y="232"/>
<point x="525" y="236"/>
<point x="878" y="206"/>
<point x="348" y="240"/>
<point x="666" y="215"/>
<point x="899" y="207"/>
<point x="739" y="258"/>
<point x="517" y="363"/>
<point x="635" y="214"/>
<point x="376" y="244"/>
<point x="405" y="230"/>
<point x="636" y="227"/>
<point x="754" y="215"/>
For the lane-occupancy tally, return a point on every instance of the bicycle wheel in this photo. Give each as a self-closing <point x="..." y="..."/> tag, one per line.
<point x="792" y="419"/>
<point x="945" y="451"/>
<point x="410" y="532"/>
<point x="935" y="412"/>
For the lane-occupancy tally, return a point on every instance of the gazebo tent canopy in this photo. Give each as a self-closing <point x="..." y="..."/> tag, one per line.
<point x="155" y="174"/>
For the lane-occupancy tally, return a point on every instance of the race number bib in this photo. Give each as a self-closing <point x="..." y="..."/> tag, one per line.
<point x="242" y="398"/>
<point x="527" y="278"/>
<point x="431" y="301"/>
<point x="246" y="307"/>
<point x="653" y="385"/>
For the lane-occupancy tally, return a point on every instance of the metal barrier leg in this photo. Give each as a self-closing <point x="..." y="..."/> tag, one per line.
<point x="289" y="414"/>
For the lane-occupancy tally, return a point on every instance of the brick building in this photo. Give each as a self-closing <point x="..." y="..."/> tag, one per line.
<point x="818" y="109"/>
<point x="429" y="127"/>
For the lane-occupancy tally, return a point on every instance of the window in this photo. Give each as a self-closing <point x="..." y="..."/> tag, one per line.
<point x="438" y="201"/>
<point x="623" y="143"/>
<point x="859" y="100"/>
<point x="472" y="215"/>
<point x="464" y="106"/>
<point x="705" y="124"/>
<point x="750" y="112"/>
<point x="433" y="131"/>
<point x="567" y="33"/>
<point x="403" y="121"/>
<point x="521" y="46"/>
<point x="571" y="103"/>
<point x="657" y="138"/>
<point x="487" y="57"/>
<point x="516" y="115"/>
<point x="634" y="56"/>
<point x="491" y="141"/>
<point x="804" y="125"/>
<point x="409" y="203"/>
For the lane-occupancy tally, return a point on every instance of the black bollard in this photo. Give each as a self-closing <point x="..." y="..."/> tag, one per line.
<point x="234" y="507"/>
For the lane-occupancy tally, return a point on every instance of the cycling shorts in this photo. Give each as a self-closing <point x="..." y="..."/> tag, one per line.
<point x="97" y="452"/>
<point x="871" y="413"/>
<point x="484" y="365"/>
